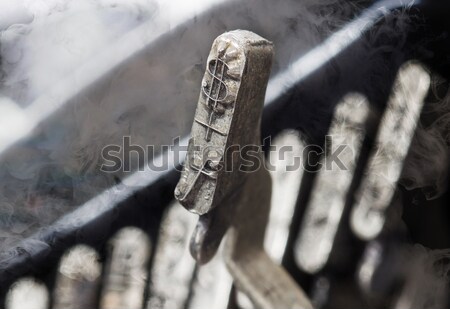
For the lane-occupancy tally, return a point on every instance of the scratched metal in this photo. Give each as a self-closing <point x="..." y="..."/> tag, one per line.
<point x="240" y="201"/>
<point x="392" y="143"/>
<point x="216" y="164"/>
<point x="212" y="123"/>
<point x="324" y="210"/>
<point x="266" y="283"/>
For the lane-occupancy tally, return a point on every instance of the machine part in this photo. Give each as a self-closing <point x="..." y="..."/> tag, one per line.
<point x="286" y="171"/>
<point x="127" y="266"/>
<point x="266" y="283"/>
<point x="233" y="194"/>
<point x="212" y="124"/>
<point x="392" y="143"/>
<point x="27" y="293"/>
<point x="173" y="268"/>
<point x="326" y="206"/>
<point x="78" y="279"/>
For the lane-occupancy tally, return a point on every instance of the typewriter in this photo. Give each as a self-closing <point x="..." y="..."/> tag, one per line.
<point x="96" y="107"/>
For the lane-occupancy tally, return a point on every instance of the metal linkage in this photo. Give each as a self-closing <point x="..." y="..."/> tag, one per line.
<point x="218" y="183"/>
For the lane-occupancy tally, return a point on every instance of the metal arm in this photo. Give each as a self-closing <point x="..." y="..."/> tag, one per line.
<point x="220" y="185"/>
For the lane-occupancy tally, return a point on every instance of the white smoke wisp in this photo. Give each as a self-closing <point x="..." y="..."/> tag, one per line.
<point x="60" y="36"/>
<point x="426" y="278"/>
<point x="64" y="45"/>
<point x="51" y="49"/>
<point x="427" y="165"/>
<point x="41" y="42"/>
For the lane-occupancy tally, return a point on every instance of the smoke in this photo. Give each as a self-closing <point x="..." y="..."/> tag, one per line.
<point x="427" y="164"/>
<point x="426" y="278"/>
<point x="148" y="91"/>
<point x="60" y="36"/>
<point x="78" y="279"/>
<point x="49" y="49"/>
<point x="54" y="169"/>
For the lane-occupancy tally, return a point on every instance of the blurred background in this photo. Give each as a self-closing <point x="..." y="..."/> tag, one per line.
<point x="77" y="76"/>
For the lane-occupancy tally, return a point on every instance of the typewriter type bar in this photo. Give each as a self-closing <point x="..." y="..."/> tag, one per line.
<point x="331" y="185"/>
<point x="394" y="136"/>
<point x="219" y="120"/>
<point x="216" y="184"/>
